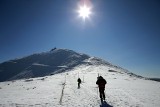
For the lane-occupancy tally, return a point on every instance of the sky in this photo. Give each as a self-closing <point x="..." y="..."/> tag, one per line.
<point x="123" y="32"/>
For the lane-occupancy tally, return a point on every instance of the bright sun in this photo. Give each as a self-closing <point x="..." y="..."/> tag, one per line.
<point x="84" y="12"/>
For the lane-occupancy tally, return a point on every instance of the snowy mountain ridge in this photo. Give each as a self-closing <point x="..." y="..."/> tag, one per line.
<point x="123" y="88"/>
<point x="46" y="63"/>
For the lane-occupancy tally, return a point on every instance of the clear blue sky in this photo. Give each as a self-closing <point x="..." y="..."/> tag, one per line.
<point x="123" y="32"/>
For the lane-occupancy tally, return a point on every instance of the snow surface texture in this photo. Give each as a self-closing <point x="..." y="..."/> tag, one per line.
<point x="60" y="90"/>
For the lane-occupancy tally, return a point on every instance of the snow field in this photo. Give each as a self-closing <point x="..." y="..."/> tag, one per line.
<point x="122" y="90"/>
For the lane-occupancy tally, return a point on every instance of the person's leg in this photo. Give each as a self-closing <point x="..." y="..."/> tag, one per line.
<point x="100" y="94"/>
<point x="103" y="95"/>
<point x="78" y="85"/>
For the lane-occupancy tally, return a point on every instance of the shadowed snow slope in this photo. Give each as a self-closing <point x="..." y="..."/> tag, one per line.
<point x="122" y="89"/>
<point x="36" y="65"/>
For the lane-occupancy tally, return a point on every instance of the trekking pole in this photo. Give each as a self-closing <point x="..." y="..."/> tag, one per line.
<point x="97" y="91"/>
<point x="105" y="93"/>
<point x="97" y="86"/>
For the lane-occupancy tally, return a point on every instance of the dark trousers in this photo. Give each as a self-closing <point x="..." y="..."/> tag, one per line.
<point x="78" y="85"/>
<point x="101" y="93"/>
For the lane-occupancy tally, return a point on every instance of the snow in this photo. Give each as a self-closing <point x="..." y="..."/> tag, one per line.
<point x="122" y="90"/>
<point x="41" y="64"/>
<point x="62" y="66"/>
<point x="37" y="64"/>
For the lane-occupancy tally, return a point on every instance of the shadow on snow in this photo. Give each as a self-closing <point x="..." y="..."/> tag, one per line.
<point x="105" y="104"/>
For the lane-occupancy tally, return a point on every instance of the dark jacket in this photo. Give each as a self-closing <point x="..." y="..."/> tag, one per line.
<point x="101" y="82"/>
<point x="79" y="80"/>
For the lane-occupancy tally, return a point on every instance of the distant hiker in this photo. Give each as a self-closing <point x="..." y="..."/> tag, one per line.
<point x="79" y="82"/>
<point x="101" y="82"/>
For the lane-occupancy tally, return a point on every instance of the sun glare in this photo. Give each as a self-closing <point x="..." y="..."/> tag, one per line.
<point x="84" y="12"/>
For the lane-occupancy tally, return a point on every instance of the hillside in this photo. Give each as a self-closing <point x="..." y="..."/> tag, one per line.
<point x="40" y="64"/>
<point x="122" y="90"/>
<point x="49" y="79"/>
<point x="46" y="63"/>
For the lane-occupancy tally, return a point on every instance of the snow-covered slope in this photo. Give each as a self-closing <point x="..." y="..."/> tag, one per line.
<point x="42" y="64"/>
<point x="46" y="63"/>
<point x="123" y="89"/>
<point x="60" y="90"/>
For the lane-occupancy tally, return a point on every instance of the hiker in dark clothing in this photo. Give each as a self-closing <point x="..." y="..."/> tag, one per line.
<point x="79" y="82"/>
<point x="101" y="82"/>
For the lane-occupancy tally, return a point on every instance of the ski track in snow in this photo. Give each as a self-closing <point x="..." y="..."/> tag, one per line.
<point x="121" y="90"/>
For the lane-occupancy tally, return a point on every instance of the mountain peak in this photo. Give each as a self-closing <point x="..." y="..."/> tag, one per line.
<point x="41" y="64"/>
<point x="47" y="63"/>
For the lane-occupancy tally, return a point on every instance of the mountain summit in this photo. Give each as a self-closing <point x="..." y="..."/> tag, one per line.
<point x="54" y="61"/>
<point x="46" y="63"/>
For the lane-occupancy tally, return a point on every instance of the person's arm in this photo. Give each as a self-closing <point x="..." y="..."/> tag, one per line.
<point x="105" y="81"/>
<point x="97" y="82"/>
